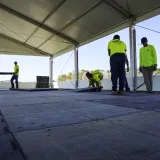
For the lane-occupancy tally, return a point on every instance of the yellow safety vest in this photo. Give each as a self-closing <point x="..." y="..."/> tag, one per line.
<point x="16" y="67"/>
<point x="117" y="46"/>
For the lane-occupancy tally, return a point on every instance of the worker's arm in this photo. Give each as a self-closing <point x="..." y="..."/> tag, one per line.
<point x="154" y="58"/>
<point x="98" y="77"/>
<point x="109" y="49"/>
<point x="140" y="61"/>
<point x="109" y="52"/>
<point x="125" y="48"/>
<point x="90" y="84"/>
<point x="127" y="63"/>
<point x="100" y="84"/>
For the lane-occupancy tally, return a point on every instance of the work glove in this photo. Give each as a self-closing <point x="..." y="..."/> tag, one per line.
<point x="127" y="69"/>
<point x="140" y="69"/>
<point x="155" y="67"/>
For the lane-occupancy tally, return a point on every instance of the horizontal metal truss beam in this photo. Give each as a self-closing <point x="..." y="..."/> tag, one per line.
<point x="15" y="13"/>
<point x="74" y="20"/>
<point x="118" y="8"/>
<point x="81" y="16"/>
<point x="25" y="45"/>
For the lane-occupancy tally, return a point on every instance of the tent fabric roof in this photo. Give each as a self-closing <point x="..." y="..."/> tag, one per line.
<point x="53" y="27"/>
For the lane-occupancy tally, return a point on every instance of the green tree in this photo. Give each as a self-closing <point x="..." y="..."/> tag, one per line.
<point x="82" y="73"/>
<point x="158" y="69"/>
<point x="62" y="78"/>
<point x="108" y="73"/>
<point x="69" y="76"/>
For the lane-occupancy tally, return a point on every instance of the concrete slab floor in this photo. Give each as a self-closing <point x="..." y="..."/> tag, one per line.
<point x="147" y="122"/>
<point x="154" y="156"/>
<point x="87" y="142"/>
<point x="9" y="149"/>
<point x="11" y="156"/>
<point x="65" y="125"/>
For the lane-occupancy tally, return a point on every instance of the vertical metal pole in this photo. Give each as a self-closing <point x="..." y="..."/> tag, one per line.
<point x="51" y="72"/>
<point x="133" y="55"/>
<point x="76" y="66"/>
<point x="135" y="59"/>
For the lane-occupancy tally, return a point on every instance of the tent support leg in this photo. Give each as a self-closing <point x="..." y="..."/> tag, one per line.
<point x="133" y="55"/>
<point x="76" y="67"/>
<point x="51" y="72"/>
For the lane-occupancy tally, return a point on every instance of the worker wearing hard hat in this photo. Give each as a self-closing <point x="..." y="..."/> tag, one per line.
<point x="15" y="76"/>
<point x="95" y="78"/>
<point x="148" y="63"/>
<point x="117" y="52"/>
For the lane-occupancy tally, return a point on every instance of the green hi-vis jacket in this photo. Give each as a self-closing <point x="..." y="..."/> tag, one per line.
<point x="148" y="56"/>
<point x="97" y="76"/>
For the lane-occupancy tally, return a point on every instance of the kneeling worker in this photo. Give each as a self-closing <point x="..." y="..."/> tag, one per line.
<point x="15" y="76"/>
<point x="94" y="78"/>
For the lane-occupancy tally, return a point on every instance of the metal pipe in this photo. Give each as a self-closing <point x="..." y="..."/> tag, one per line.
<point x="135" y="59"/>
<point x="51" y="72"/>
<point x="133" y="55"/>
<point x="76" y="66"/>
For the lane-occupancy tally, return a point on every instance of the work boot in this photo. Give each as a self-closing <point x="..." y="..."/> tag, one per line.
<point x="114" y="93"/>
<point x="150" y="92"/>
<point x="17" y="86"/>
<point x="127" y="90"/>
<point x="121" y="92"/>
<point x="99" y="89"/>
<point x="12" y="87"/>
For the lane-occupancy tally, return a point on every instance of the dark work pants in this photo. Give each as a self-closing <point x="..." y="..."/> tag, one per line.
<point x="94" y="83"/>
<point x="147" y="75"/>
<point x="14" y="77"/>
<point x="117" y="63"/>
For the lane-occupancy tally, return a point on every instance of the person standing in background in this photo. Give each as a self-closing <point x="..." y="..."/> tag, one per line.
<point x="148" y="63"/>
<point x="15" y="76"/>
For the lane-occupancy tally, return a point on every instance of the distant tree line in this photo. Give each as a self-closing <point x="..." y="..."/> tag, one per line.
<point x="81" y="74"/>
<point x="70" y="75"/>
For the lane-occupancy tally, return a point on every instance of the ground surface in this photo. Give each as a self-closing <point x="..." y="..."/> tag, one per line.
<point x="64" y="125"/>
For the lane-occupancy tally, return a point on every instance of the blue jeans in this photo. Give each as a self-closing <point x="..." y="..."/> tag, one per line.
<point x="14" y="77"/>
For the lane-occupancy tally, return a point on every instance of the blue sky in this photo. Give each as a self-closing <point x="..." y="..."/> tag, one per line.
<point x="91" y="56"/>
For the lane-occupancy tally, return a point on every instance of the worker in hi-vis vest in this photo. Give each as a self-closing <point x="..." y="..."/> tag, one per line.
<point x="15" y="76"/>
<point x="148" y="63"/>
<point x="117" y="52"/>
<point x="94" y="78"/>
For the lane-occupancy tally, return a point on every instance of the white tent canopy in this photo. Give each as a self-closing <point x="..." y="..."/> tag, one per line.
<point x="53" y="27"/>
